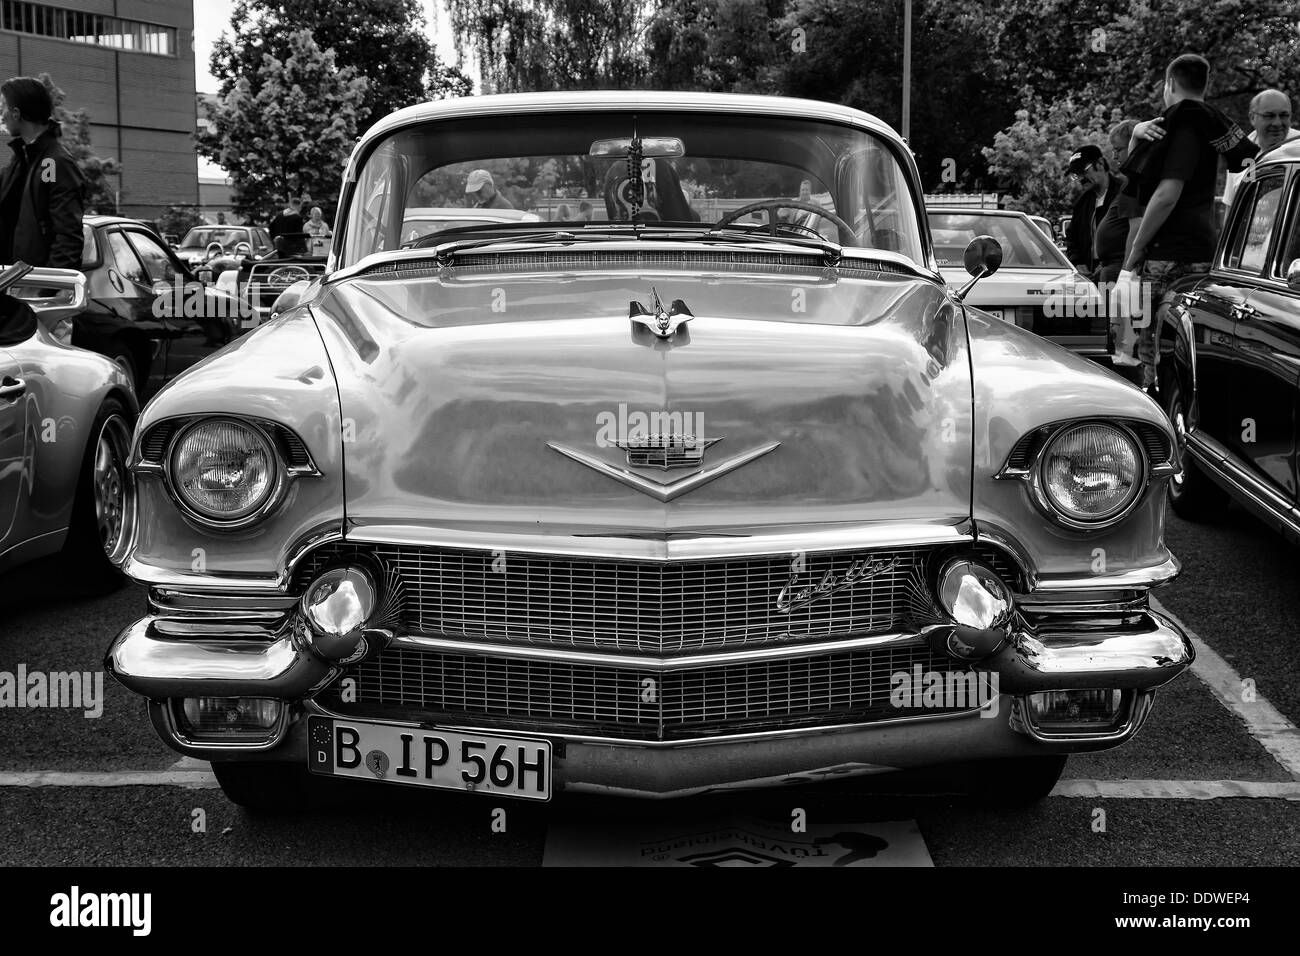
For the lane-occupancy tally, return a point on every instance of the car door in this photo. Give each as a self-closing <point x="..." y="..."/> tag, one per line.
<point x="13" y="431"/>
<point x="1266" y="345"/>
<point x="196" y="323"/>
<point x="1216" y="303"/>
<point x="130" y="294"/>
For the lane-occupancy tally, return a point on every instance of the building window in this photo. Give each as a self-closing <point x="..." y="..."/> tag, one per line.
<point x="38" y="19"/>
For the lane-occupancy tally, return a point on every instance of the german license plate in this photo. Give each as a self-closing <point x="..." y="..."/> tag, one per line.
<point x="996" y="313"/>
<point x="442" y="759"/>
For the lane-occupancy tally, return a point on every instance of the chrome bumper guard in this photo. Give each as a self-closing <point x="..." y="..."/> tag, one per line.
<point x="152" y="658"/>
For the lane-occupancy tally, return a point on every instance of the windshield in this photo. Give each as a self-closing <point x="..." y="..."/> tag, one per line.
<point x="1023" y="244"/>
<point x="202" y="237"/>
<point x="686" y="169"/>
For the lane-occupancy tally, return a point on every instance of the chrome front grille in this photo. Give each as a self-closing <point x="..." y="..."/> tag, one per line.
<point x="630" y="703"/>
<point x="644" y="606"/>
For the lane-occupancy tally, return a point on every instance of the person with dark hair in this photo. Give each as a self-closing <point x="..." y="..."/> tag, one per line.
<point x="1088" y="166"/>
<point x="41" y="200"/>
<point x="1172" y="174"/>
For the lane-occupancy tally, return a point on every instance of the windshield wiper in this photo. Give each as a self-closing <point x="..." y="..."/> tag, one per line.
<point x="444" y="252"/>
<point x="833" y="251"/>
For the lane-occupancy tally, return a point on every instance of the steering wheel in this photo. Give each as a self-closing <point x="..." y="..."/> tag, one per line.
<point x="847" y="236"/>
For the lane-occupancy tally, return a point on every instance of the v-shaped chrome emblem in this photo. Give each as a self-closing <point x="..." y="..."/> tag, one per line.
<point x="658" y="487"/>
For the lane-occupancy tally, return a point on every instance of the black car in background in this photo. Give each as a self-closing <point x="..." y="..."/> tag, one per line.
<point x="1230" y="357"/>
<point x="145" y="308"/>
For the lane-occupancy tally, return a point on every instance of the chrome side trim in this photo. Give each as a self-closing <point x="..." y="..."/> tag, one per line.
<point x="1150" y="577"/>
<point x="225" y="582"/>
<point x="1224" y="468"/>
<point x="671" y="544"/>
<point x="424" y="642"/>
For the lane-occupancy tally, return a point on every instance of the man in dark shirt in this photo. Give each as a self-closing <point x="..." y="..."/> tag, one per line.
<point x="1089" y="166"/>
<point x="41" y="188"/>
<point x="1174" y="186"/>
<point x="480" y="186"/>
<point x="288" y="222"/>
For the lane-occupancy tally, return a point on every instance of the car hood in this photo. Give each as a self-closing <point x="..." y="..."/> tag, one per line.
<point x="493" y="402"/>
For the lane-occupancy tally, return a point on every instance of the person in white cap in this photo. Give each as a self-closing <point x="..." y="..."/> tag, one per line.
<point x="481" y="186"/>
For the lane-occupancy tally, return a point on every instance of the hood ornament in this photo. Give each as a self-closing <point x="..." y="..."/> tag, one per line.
<point x="662" y="323"/>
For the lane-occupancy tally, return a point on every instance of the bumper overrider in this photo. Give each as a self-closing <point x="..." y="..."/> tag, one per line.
<point x="1069" y="666"/>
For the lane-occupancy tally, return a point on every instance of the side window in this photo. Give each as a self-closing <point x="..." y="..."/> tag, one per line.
<point x="89" y="253"/>
<point x="1251" y="230"/>
<point x="124" y="259"/>
<point x="1290" y="245"/>
<point x="157" y="263"/>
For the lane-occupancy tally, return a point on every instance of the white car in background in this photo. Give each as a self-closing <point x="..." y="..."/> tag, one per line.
<point x="1036" y="288"/>
<point x="421" y="221"/>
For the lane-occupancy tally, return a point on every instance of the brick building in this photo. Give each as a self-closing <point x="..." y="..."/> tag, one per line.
<point x="130" y="65"/>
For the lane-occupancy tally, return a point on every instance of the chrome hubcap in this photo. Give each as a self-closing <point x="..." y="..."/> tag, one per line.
<point x="109" y="482"/>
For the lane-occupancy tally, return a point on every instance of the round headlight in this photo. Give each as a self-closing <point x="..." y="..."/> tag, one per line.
<point x="223" y="470"/>
<point x="1091" y="472"/>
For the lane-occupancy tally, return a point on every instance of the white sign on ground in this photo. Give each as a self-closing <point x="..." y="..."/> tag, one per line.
<point x="737" y="842"/>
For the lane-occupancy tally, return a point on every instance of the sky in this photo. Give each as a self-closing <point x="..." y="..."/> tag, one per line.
<point x="211" y="17"/>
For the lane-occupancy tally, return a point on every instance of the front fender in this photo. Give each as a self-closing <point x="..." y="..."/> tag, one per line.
<point x="283" y="375"/>
<point x="1023" y="382"/>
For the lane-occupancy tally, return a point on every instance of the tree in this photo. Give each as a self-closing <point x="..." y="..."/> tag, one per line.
<point x="524" y="45"/>
<point x="287" y="129"/>
<point x="382" y="40"/>
<point x="100" y="192"/>
<point x="179" y="219"/>
<point x="1032" y="154"/>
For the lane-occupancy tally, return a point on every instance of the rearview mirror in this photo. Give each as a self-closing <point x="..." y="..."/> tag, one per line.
<point x="662" y="147"/>
<point x="1293" y="275"/>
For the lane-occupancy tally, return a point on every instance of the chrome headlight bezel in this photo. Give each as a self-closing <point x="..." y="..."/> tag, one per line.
<point x="246" y="517"/>
<point x="1038" y="480"/>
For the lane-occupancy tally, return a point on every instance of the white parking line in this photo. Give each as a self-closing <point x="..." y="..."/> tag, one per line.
<point x="1177" y="789"/>
<point x="1099" y="789"/>
<point x="1264" y="722"/>
<point x="190" y="779"/>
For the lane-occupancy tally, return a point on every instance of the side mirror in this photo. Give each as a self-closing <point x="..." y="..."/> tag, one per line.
<point x="53" y="294"/>
<point x="1293" y="275"/>
<point x="982" y="258"/>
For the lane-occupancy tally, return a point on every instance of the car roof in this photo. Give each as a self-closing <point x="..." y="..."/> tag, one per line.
<point x="578" y="100"/>
<point x="1288" y="152"/>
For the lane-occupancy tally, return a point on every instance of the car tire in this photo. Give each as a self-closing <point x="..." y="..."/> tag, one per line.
<point x="1192" y="495"/>
<point x="124" y="359"/>
<point x="1014" y="782"/>
<point x="262" y="786"/>
<point x="104" y="506"/>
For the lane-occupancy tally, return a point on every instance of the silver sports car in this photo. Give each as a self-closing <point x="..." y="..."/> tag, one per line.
<point x="66" y="417"/>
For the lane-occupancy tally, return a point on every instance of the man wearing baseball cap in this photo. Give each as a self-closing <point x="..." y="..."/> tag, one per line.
<point x="1088" y="166"/>
<point x="483" y="190"/>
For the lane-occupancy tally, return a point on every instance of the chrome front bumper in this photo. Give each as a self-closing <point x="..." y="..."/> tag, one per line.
<point x="163" y="659"/>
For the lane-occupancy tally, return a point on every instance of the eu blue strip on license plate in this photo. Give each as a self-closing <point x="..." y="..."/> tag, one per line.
<point x="442" y="759"/>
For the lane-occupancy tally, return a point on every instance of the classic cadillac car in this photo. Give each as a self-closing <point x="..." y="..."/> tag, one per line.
<point x="651" y="505"/>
